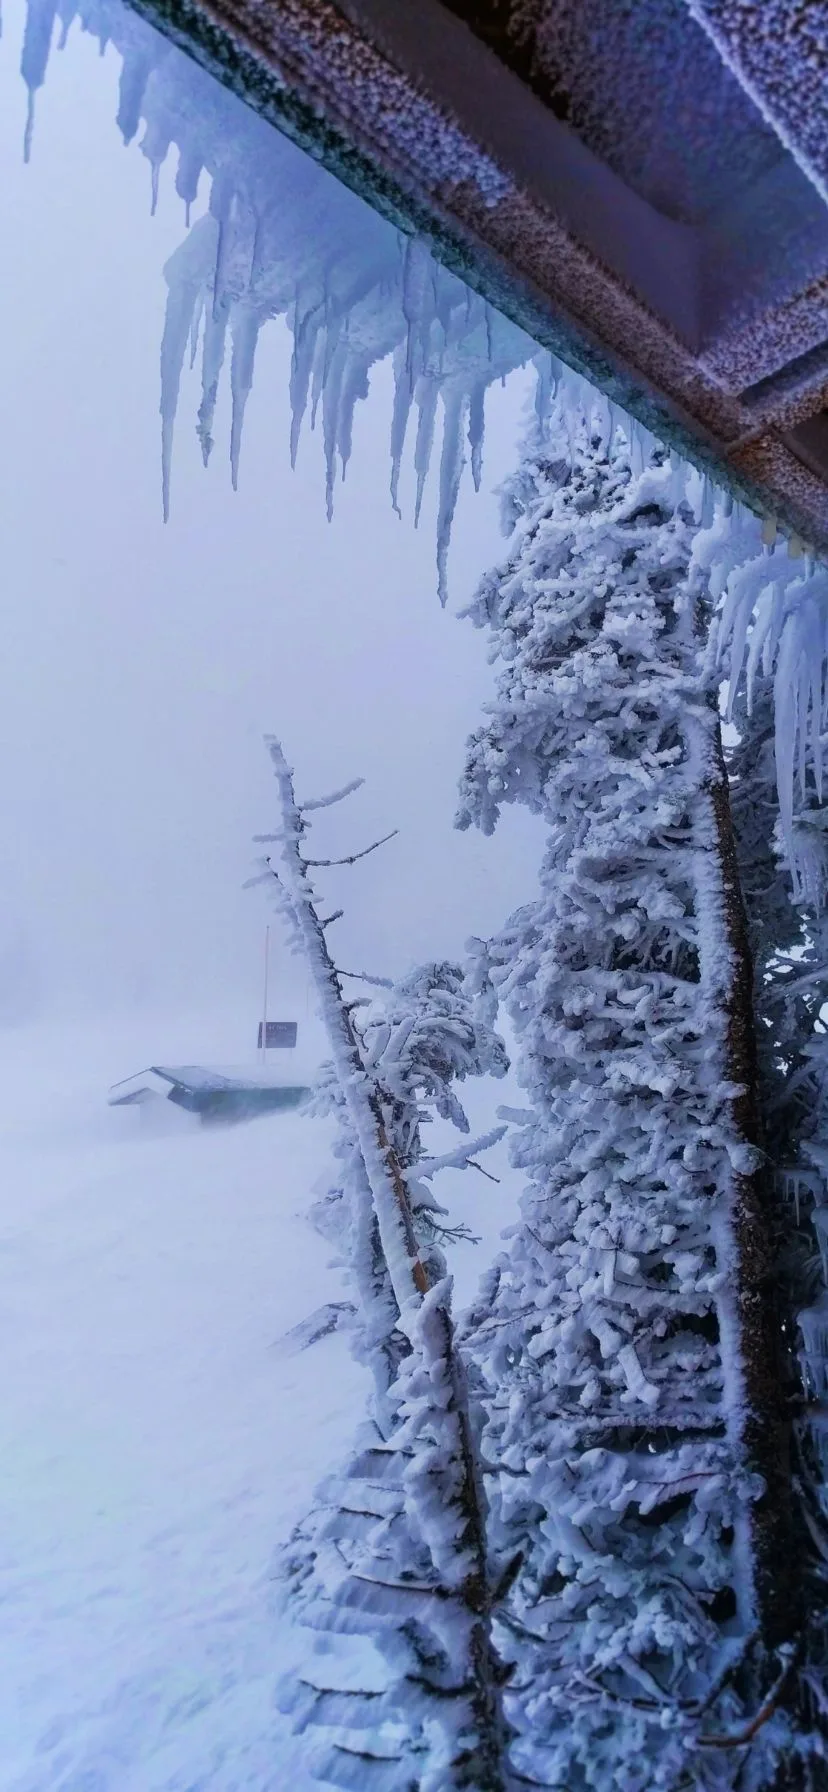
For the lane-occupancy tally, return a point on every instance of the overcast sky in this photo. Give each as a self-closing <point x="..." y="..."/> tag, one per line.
<point x="141" y="664"/>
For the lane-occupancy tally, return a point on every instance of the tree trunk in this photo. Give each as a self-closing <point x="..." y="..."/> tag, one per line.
<point x="766" y="1429"/>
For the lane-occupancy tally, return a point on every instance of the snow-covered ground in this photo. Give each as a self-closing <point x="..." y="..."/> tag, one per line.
<point x="156" y="1445"/>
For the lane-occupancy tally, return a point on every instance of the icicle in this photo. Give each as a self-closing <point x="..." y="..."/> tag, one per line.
<point x="451" y="467"/>
<point x="399" y="422"/>
<point x="641" y="444"/>
<point x="819" y="1221"/>
<point x="28" y="133"/>
<point x="222" y="203"/>
<point x="744" y="592"/>
<point x="245" y="334"/>
<point x="212" y="361"/>
<point x="678" y="478"/>
<point x="318" y="377"/>
<point x="802" y="706"/>
<point x="155" y="145"/>
<point x="786" y="725"/>
<point x="184" y="274"/>
<point x="188" y="176"/>
<point x="305" y="340"/>
<point x="816" y="698"/>
<point x="547" y="371"/>
<point x="198" y="313"/>
<point x="443" y="296"/>
<point x="330" y="420"/>
<point x="602" y="420"/>
<point x="135" y="73"/>
<point x="417" y="304"/>
<point x="476" y="430"/>
<point x="813" y="1324"/>
<point x="427" y="389"/>
<point x="695" y="492"/>
<point x="756" y="651"/>
<point x="354" y="387"/>
<point x="34" y="60"/>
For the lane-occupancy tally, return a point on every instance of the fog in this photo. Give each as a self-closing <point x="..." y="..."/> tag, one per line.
<point x="142" y="663"/>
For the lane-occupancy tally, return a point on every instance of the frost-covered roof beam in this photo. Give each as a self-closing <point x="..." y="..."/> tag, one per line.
<point x="699" y="303"/>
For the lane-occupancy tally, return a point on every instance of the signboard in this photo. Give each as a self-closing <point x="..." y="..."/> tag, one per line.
<point x="279" y="1034"/>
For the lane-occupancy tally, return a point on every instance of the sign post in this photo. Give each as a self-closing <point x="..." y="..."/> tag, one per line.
<point x="279" y="1034"/>
<point x="274" y="1035"/>
<point x="263" y="1039"/>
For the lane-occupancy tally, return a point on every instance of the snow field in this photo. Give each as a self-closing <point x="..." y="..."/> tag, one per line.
<point x="156" y="1445"/>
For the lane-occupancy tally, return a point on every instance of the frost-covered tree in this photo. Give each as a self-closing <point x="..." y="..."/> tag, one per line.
<point x="636" y="1434"/>
<point x="396" y="1549"/>
<point x="419" y="1038"/>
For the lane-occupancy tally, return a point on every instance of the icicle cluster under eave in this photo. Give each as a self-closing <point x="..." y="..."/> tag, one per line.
<point x="774" y="621"/>
<point x="282" y="237"/>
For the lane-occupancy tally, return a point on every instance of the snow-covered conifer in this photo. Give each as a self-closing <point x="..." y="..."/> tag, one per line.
<point x="396" y="1549"/>
<point x="419" y="1037"/>
<point x="635" y="1435"/>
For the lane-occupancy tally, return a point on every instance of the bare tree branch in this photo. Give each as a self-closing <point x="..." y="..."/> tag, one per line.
<point x="364" y="977"/>
<point x="738" y="1738"/>
<point x="474" y="1165"/>
<point x="351" y="858"/>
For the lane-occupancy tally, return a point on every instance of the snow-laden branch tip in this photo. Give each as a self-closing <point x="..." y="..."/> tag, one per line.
<point x="462" y="1155"/>
<point x="265" y="876"/>
<point x="327" y="802"/>
<point x="365" y="977"/>
<point x="351" y="857"/>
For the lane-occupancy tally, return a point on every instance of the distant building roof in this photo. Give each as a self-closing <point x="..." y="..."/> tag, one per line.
<point x="644" y="188"/>
<point x="212" y="1094"/>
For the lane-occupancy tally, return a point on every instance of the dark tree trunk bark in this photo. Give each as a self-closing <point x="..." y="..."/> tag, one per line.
<point x="766" y="1431"/>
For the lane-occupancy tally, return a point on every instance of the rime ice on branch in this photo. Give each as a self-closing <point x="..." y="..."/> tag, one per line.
<point x="635" y="1429"/>
<point x="396" y="1548"/>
